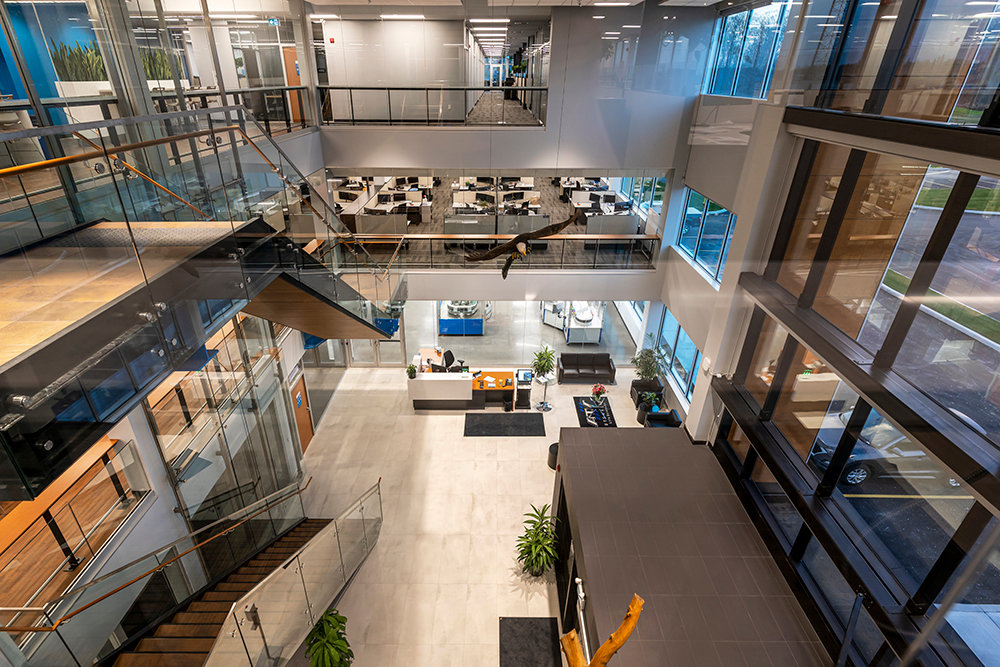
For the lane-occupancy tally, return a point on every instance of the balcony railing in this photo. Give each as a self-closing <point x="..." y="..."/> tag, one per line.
<point x="523" y="106"/>
<point x="561" y="251"/>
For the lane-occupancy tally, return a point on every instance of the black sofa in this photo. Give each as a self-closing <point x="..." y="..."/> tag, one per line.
<point x="662" y="419"/>
<point x="586" y="367"/>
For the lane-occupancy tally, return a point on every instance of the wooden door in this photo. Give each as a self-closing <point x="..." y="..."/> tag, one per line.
<point x="293" y="78"/>
<point x="303" y="420"/>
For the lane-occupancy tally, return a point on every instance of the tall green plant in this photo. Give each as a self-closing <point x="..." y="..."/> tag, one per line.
<point x="78" y="62"/>
<point x="536" y="548"/>
<point x="646" y="366"/>
<point x="156" y="64"/>
<point x="544" y="361"/>
<point x="326" y="644"/>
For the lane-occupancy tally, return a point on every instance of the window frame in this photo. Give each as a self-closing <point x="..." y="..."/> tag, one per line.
<point x="685" y="387"/>
<point x="715" y="273"/>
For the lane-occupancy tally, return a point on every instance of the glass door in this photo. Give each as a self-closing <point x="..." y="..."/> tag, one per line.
<point x="361" y="352"/>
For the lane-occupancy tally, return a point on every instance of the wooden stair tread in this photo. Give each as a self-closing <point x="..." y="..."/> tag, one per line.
<point x="187" y="630"/>
<point x="176" y="645"/>
<point x="161" y="660"/>
<point x="199" y="606"/>
<point x="235" y="586"/>
<point x="221" y="596"/>
<point x="200" y="618"/>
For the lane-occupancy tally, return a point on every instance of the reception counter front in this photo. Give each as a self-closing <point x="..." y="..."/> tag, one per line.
<point x="460" y="391"/>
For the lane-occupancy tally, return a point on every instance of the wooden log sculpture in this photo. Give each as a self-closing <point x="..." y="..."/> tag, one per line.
<point x="574" y="653"/>
<point x="518" y="246"/>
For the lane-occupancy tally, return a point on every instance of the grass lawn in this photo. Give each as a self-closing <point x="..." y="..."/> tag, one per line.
<point x="982" y="324"/>
<point x="982" y="199"/>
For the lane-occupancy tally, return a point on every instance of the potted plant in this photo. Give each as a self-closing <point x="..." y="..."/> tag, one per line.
<point x="326" y="644"/>
<point x="411" y="371"/>
<point x="597" y="391"/>
<point x="649" y="401"/>
<point x="647" y="371"/>
<point x="536" y="548"/>
<point x="544" y="362"/>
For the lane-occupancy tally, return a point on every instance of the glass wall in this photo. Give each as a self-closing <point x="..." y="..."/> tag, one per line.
<point x="749" y="42"/>
<point x="706" y="232"/>
<point x="678" y="357"/>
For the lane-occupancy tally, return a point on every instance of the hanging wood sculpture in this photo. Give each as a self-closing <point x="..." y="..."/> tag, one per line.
<point x="574" y="652"/>
<point x="518" y="246"/>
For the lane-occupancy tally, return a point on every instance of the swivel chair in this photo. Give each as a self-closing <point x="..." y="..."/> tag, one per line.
<point x="449" y="360"/>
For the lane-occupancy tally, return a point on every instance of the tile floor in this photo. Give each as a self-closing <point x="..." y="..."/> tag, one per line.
<point x="444" y="570"/>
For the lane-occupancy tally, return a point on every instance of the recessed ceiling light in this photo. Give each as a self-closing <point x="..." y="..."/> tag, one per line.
<point x="402" y="16"/>
<point x="597" y="17"/>
<point x="631" y="26"/>
<point x="484" y="28"/>
<point x="324" y="16"/>
<point x="489" y="20"/>
<point x="611" y="4"/>
<point x="612" y="33"/>
<point x="615" y="38"/>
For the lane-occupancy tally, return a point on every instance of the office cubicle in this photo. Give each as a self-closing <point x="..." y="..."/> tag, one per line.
<point x="393" y="223"/>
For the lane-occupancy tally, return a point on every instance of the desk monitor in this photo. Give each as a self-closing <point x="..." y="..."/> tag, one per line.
<point x="515" y="195"/>
<point x="509" y="179"/>
<point x="623" y="205"/>
<point x="384" y="199"/>
<point x="348" y="196"/>
<point x="484" y="179"/>
<point x="399" y="196"/>
<point x="595" y="179"/>
<point x="488" y="197"/>
<point x="523" y="375"/>
<point x="401" y="181"/>
<point x="609" y="199"/>
<point x="412" y="179"/>
<point x="595" y="198"/>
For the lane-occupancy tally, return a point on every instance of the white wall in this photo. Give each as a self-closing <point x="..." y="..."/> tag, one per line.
<point x="589" y="124"/>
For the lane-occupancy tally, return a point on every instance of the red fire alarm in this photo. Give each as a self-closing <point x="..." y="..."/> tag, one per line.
<point x="331" y="40"/>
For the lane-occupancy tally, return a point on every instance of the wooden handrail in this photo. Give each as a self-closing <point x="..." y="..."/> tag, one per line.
<point x="62" y="619"/>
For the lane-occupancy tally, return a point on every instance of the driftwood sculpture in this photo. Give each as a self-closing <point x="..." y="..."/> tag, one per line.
<point x="518" y="246"/>
<point x="574" y="653"/>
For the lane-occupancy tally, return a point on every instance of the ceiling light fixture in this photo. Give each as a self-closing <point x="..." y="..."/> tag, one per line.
<point x="631" y="26"/>
<point x="597" y="16"/>
<point x="324" y="16"/>
<point x="614" y="38"/>
<point x="611" y="4"/>
<point x="402" y="16"/>
<point x="489" y="20"/>
<point x="611" y="33"/>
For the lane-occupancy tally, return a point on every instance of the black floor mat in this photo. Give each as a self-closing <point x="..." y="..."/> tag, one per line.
<point x="529" y="642"/>
<point x="504" y="424"/>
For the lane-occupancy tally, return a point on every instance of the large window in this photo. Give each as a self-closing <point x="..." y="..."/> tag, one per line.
<point x="679" y="358"/>
<point x="705" y="234"/>
<point x="748" y="48"/>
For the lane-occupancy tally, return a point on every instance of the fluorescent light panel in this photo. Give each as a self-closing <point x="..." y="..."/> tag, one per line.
<point x="489" y="20"/>
<point x="402" y="16"/>
<point x="597" y="17"/>
<point x="631" y="26"/>
<point x="611" y="4"/>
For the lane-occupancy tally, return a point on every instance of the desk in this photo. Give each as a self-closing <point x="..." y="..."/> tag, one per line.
<point x="482" y="393"/>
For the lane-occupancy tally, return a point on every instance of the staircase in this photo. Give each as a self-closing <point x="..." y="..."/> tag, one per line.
<point x="186" y="639"/>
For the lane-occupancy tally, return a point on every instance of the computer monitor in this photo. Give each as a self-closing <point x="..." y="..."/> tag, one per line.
<point x="401" y="181"/>
<point x="509" y="179"/>
<point x="609" y="199"/>
<point x="399" y="196"/>
<point x="488" y="197"/>
<point x="623" y="205"/>
<point x="484" y="179"/>
<point x="515" y="195"/>
<point x="384" y="199"/>
<point x="593" y="178"/>
<point x="348" y="196"/>
<point x="595" y="198"/>
<point x="412" y="179"/>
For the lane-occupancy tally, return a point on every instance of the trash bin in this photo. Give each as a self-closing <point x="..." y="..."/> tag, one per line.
<point x="553" y="454"/>
<point x="508" y="405"/>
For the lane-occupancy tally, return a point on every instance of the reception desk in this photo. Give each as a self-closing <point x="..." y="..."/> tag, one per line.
<point x="460" y="391"/>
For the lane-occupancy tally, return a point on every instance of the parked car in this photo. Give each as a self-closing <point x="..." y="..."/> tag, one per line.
<point x="881" y="452"/>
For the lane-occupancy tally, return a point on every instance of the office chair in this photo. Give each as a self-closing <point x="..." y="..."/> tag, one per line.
<point x="449" y="360"/>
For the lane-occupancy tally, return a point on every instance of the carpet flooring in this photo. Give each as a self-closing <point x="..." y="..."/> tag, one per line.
<point x="503" y="424"/>
<point x="529" y="642"/>
<point x="492" y="109"/>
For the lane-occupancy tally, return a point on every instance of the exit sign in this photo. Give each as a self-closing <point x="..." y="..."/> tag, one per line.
<point x="274" y="21"/>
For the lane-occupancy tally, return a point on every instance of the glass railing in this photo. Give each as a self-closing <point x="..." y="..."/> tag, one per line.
<point x="279" y="109"/>
<point x="433" y="105"/>
<point x="162" y="226"/>
<point x="560" y="251"/>
<point x="90" y="621"/>
<point x="272" y="620"/>
<point x="52" y="551"/>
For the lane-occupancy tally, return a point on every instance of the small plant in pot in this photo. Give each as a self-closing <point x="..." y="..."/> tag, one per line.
<point x="597" y="391"/>
<point x="411" y="371"/>
<point x="326" y="644"/>
<point x="647" y="371"/>
<point x="544" y="361"/>
<point x="648" y="402"/>
<point x="536" y="548"/>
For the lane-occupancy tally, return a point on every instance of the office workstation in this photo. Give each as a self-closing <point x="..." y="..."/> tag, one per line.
<point x="474" y="183"/>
